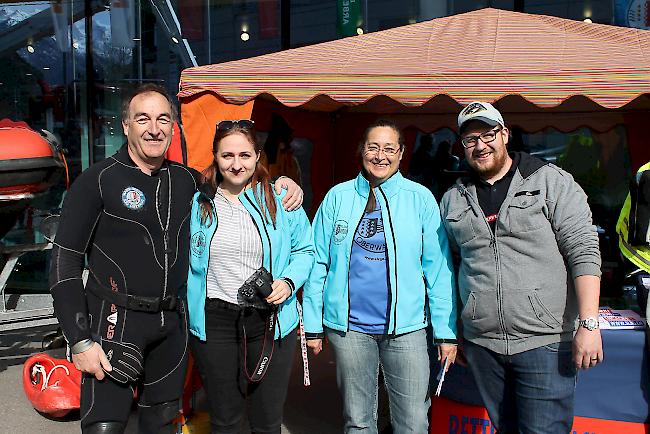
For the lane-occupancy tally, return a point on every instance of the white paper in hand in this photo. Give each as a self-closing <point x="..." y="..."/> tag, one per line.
<point x="441" y="376"/>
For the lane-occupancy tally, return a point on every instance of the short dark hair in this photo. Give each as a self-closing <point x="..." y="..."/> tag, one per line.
<point x="146" y="88"/>
<point x="381" y="123"/>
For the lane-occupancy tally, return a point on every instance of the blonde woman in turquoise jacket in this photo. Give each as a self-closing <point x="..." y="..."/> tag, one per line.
<point x="382" y="274"/>
<point x="238" y="225"/>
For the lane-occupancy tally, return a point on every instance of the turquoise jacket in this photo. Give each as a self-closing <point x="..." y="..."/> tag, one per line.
<point x="419" y="261"/>
<point x="287" y="252"/>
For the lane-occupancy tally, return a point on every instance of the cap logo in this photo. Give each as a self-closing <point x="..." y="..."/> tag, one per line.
<point x="473" y="108"/>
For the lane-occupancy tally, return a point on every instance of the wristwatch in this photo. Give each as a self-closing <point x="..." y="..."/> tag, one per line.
<point x="590" y="323"/>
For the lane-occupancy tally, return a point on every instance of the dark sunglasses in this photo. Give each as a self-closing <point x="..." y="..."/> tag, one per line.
<point x="245" y="124"/>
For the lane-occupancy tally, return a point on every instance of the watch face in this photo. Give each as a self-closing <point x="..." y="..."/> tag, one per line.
<point x="590" y="323"/>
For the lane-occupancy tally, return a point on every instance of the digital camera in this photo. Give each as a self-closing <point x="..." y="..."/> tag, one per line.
<point x="255" y="289"/>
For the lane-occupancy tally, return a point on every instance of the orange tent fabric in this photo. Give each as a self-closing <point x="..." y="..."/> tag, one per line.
<point x="540" y="71"/>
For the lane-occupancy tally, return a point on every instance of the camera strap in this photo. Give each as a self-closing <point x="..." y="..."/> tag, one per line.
<point x="267" y="349"/>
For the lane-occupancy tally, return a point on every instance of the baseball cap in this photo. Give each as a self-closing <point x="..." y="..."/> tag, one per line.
<point x="480" y="111"/>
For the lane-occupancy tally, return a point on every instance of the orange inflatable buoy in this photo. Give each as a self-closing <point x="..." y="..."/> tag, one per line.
<point x="53" y="386"/>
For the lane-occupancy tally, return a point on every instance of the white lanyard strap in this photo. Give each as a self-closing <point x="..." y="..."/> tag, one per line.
<point x="303" y="347"/>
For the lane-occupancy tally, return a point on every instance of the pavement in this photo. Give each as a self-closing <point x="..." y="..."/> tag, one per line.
<point x="308" y="410"/>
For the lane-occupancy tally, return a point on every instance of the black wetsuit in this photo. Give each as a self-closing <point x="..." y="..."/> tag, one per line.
<point x="133" y="229"/>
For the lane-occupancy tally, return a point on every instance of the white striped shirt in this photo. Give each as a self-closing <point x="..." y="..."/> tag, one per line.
<point x="235" y="250"/>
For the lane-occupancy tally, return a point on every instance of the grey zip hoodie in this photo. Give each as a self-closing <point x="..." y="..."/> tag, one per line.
<point x="516" y="283"/>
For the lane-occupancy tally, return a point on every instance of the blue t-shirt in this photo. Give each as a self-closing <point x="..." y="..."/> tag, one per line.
<point x="369" y="295"/>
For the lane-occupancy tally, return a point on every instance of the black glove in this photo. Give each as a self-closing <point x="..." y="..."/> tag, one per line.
<point x="126" y="360"/>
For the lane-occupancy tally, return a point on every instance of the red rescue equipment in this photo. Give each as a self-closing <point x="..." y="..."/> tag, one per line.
<point x="53" y="386"/>
<point x="30" y="163"/>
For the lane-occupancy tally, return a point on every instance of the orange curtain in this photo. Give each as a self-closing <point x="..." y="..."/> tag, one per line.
<point x="200" y="114"/>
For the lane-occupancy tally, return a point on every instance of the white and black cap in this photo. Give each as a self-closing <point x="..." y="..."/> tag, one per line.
<point x="480" y="111"/>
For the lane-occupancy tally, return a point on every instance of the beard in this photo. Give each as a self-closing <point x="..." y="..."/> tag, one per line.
<point x="492" y="168"/>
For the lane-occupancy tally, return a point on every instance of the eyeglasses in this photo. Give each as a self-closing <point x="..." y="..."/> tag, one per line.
<point x="389" y="151"/>
<point x="245" y="124"/>
<point x="486" y="137"/>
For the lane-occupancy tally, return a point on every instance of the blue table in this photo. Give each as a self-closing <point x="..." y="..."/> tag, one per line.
<point x="617" y="389"/>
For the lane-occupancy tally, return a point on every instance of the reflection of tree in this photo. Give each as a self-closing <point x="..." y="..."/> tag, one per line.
<point x="582" y="160"/>
<point x="17" y="87"/>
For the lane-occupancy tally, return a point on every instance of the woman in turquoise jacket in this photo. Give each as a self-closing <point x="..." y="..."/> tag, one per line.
<point x="238" y="225"/>
<point x="383" y="272"/>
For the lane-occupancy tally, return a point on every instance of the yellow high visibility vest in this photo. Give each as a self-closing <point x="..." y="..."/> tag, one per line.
<point x="638" y="255"/>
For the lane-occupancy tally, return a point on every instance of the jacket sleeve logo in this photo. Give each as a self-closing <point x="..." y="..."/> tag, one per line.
<point x="340" y="231"/>
<point x="197" y="243"/>
<point x="132" y="198"/>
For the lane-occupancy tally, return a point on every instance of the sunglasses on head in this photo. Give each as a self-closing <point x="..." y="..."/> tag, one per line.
<point x="229" y="125"/>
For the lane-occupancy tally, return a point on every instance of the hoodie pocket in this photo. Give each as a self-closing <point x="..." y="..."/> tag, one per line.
<point x="480" y="314"/>
<point x="526" y="314"/>
<point x="459" y="220"/>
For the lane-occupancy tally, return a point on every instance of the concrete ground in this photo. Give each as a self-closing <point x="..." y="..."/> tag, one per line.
<point x="308" y="410"/>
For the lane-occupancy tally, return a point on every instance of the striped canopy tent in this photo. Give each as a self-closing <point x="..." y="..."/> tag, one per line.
<point x="540" y="71"/>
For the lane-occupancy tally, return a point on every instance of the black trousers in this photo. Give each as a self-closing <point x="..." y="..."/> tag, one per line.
<point x="220" y="360"/>
<point x="165" y="354"/>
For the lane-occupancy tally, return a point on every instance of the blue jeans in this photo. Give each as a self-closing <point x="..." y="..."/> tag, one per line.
<point x="529" y="392"/>
<point x="405" y="363"/>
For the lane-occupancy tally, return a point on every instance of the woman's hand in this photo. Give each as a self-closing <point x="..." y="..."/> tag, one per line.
<point x="316" y="345"/>
<point x="281" y="291"/>
<point x="293" y="199"/>
<point x="447" y="351"/>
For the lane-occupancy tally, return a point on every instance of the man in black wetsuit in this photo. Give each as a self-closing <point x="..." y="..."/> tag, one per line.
<point x="128" y="216"/>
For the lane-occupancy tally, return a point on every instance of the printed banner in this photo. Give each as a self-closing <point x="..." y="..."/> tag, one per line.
<point x="632" y="13"/>
<point x="268" y="12"/>
<point x="191" y="14"/>
<point x="348" y="17"/>
<point x="449" y="417"/>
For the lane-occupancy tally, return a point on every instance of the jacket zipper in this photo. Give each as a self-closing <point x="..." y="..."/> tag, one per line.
<point x="207" y="264"/>
<point x="392" y="233"/>
<point x="495" y="250"/>
<point x="268" y="238"/>
<point x="349" y="259"/>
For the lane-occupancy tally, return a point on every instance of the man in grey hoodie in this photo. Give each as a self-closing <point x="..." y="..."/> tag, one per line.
<point x="529" y="276"/>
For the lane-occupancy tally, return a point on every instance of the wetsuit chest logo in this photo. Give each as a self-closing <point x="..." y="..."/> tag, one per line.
<point x="132" y="198"/>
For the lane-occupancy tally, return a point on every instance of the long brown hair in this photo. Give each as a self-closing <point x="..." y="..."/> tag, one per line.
<point x="213" y="177"/>
<point x="372" y="202"/>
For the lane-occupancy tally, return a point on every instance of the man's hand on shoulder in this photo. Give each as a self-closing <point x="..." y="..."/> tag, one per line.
<point x="293" y="199"/>
<point x="92" y="361"/>
<point x="587" y="348"/>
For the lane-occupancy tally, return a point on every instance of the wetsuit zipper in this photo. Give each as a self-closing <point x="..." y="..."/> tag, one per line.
<point x="165" y="229"/>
